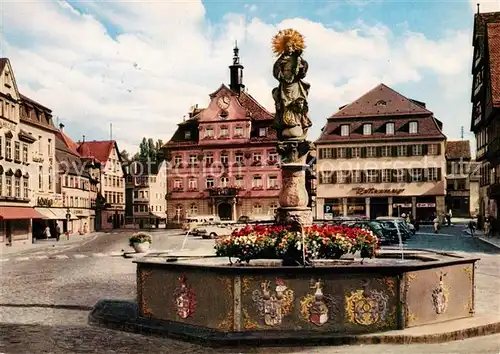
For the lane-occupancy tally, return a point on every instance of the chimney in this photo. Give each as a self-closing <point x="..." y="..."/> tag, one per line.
<point x="61" y="127"/>
<point x="83" y="139"/>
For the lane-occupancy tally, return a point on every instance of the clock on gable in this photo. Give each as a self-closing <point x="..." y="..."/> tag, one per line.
<point x="223" y="102"/>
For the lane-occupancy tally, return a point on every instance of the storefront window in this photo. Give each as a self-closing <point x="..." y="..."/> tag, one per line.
<point x="426" y="208"/>
<point x="356" y="206"/>
<point x="332" y="208"/>
<point x="401" y="205"/>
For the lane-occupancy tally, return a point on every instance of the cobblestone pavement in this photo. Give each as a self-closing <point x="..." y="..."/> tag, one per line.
<point x="44" y="304"/>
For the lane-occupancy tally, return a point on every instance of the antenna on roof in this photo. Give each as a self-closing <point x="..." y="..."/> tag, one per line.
<point x="478" y="7"/>
<point x="462" y="132"/>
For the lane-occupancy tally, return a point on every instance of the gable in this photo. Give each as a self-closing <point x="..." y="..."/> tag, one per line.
<point x="381" y="101"/>
<point x="8" y="85"/>
<point x="223" y="106"/>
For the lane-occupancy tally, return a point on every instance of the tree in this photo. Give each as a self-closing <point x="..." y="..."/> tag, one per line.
<point x="144" y="149"/>
<point x="125" y="155"/>
<point x="150" y="150"/>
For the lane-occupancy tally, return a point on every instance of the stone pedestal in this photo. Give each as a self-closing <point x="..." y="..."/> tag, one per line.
<point x="293" y="196"/>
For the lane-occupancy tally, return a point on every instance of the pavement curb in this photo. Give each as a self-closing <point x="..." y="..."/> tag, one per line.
<point x="124" y="316"/>
<point x="485" y="240"/>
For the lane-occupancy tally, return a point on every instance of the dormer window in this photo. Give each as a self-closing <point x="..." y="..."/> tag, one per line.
<point x="389" y="128"/>
<point x="367" y="129"/>
<point x="262" y="132"/>
<point x="344" y="130"/>
<point x="413" y="128"/>
<point x="223" y="114"/>
<point x="381" y="103"/>
<point x="187" y="134"/>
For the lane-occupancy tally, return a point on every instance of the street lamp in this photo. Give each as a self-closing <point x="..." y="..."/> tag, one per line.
<point x="68" y="218"/>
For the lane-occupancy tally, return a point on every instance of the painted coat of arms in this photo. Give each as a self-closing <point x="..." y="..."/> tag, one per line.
<point x="184" y="298"/>
<point x="366" y="306"/>
<point x="273" y="306"/>
<point x="440" y="296"/>
<point x="317" y="308"/>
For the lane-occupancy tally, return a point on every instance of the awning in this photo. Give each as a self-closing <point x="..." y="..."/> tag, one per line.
<point x="157" y="215"/>
<point x="61" y="214"/>
<point x="18" y="213"/>
<point x="47" y="213"/>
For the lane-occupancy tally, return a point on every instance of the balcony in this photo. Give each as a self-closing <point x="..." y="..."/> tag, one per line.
<point x="223" y="191"/>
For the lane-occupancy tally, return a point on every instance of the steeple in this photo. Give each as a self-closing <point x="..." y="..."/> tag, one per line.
<point x="236" y="71"/>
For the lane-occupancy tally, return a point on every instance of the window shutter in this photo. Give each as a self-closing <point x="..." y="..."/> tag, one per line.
<point x="425" y="149"/>
<point x="438" y="149"/>
<point x="363" y="152"/>
<point x="334" y="177"/>
<point x="439" y="173"/>
<point x="409" y="150"/>
<point x="334" y="153"/>
<point x="349" y="177"/>
<point x="425" y="177"/>
<point x="394" y="151"/>
<point x="407" y="173"/>
<point x="379" y="151"/>
<point x="348" y="153"/>
<point x="379" y="174"/>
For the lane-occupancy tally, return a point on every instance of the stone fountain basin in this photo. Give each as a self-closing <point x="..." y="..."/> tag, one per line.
<point x="208" y="300"/>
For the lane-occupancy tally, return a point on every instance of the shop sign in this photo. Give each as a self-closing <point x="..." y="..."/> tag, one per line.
<point x="330" y="208"/>
<point x="78" y="211"/>
<point x="401" y="205"/>
<point x="356" y="208"/>
<point x="328" y="216"/>
<point x="363" y="191"/>
<point x="44" y="202"/>
<point x="426" y="205"/>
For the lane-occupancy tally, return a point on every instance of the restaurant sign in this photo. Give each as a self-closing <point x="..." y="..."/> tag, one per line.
<point x="363" y="191"/>
<point x="426" y="205"/>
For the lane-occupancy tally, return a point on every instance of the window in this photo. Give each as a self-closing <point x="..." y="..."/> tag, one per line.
<point x="1" y="150"/>
<point x="386" y="176"/>
<point x="39" y="144"/>
<point x="341" y="153"/>
<point x="239" y="181"/>
<point x="257" y="157"/>
<point x="356" y="176"/>
<point x="413" y="128"/>
<point x="209" y="133"/>
<point x="273" y="156"/>
<point x="178" y="184"/>
<point x="257" y="209"/>
<point x="326" y="153"/>
<point x="432" y="174"/>
<point x="209" y="158"/>
<point x="239" y="158"/>
<point x="8" y="149"/>
<point x="371" y="151"/>
<point x="257" y="181"/>
<point x="389" y="128"/>
<point x="399" y="175"/>
<point x="344" y="130"/>
<point x="385" y="151"/>
<point x="238" y="131"/>
<point x="40" y="177"/>
<point x="273" y="182"/>
<point x="262" y="132"/>
<point x="193" y="183"/>
<point x="325" y="177"/>
<point x="8" y="186"/>
<point x="193" y="210"/>
<point x="416" y="175"/>
<point x="224" y="182"/>
<point x="342" y="176"/>
<point x="187" y="134"/>
<point x="25" y="153"/>
<point x="1" y="184"/>
<point x="416" y="150"/>
<point x="432" y="149"/>
<point x="193" y="159"/>
<point x="49" y="147"/>
<point x="401" y="150"/>
<point x="178" y="210"/>
<point x="17" y="151"/>
<point x="371" y="176"/>
<point x="210" y="182"/>
<point x="224" y="132"/>
<point x="178" y="160"/>
<point x="356" y="152"/>
<point x="224" y="158"/>
<point x="17" y="185"/>
<point x="367" y="129"/>
<point x="273" y="208"/>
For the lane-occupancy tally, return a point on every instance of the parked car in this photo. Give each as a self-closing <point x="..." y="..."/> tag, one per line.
<point x="396" y="229"/>
<point x="384" y="236"/>
<point x="193" y="221"/>
<point x="208" y="231"/>
<point x="408" y="225"/>
<point x="254" y="219"/>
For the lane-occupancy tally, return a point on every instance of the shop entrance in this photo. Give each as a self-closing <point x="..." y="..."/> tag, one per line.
<point x="378" y="207"/>
<point x="225" y="211"/>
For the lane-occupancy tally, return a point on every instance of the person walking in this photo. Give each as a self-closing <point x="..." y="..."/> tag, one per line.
<point x="471" y="228"/>
<point x="436" y="224"/>
<point x="46" y="232"/>
<point x="58" y="232"/>
<point x="487" y="226"/>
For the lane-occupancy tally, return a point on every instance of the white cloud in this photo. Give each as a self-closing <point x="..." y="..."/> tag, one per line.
<point x="168" y="56"/>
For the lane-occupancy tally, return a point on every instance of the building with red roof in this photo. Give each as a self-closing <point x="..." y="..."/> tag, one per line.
<point x="223" y="159"/>
<point x="381" y="155"/>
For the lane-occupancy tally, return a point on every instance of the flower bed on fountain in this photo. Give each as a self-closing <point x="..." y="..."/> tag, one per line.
<point x="295" y="247"/>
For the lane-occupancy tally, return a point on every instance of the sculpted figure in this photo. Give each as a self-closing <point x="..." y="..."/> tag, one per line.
<point x="292" y="112"/>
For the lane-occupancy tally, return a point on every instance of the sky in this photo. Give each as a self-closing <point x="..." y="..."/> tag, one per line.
<point x="140" y="65"/>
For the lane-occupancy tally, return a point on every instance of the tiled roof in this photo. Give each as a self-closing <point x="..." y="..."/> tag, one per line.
<point x="256" y="110"/>
<point x="494" y="61"/>
<point x="368" y="109"/>
<point x="381" y="101"/>
<point x="100" y="150"/>
<point x="70" y="144"/>
<point x="34" y="103"/>
<point x="458" y="149"/>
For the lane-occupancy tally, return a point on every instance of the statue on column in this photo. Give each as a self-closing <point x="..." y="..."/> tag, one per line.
<point x="292" y="112"/>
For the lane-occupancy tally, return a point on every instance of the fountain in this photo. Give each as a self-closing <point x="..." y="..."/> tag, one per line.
<point x="208" y="299"/>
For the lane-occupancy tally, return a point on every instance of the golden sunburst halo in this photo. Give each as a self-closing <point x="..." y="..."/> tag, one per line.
<point x="287" y="37"/>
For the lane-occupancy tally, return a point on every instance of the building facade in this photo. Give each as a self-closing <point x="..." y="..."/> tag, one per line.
<point x="18" y="165"/>
<point x="148" y="185"/>
<point x="110" y="200"/>
<point x="462" y="180"/>
<point x="485" y="119"/>
<point x="383" y="154"/>
<point x="77" y="184"/>
<point x="223" y="159"/>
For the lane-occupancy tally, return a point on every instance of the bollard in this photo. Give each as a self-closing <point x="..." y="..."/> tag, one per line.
<point x="67" y="235"/>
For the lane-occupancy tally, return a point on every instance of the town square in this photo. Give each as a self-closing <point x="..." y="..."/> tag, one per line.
<point x="252" y="178"/>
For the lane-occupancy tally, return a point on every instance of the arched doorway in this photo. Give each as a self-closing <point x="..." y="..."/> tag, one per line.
<point x="225" y="211"/>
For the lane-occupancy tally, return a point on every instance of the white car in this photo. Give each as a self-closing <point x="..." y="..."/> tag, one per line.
<point x="213" y="230"/>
